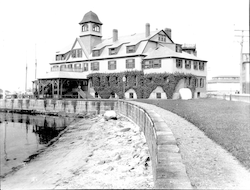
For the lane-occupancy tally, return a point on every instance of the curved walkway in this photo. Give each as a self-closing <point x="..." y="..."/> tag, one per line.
<point x="208" y="165"/>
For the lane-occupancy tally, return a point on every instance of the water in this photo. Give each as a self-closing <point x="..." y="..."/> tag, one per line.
<point x="21" y="135"/>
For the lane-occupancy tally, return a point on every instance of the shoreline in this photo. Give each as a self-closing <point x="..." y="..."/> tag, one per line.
<point x="96" y="156"/>
<point x="41" y="150"/>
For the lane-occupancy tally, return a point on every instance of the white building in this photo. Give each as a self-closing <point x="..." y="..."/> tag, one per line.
<point x="150" y="51"/>
<point x="224" y="84"/>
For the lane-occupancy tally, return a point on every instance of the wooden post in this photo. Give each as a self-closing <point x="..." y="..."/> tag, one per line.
<point x="53" y="83"/>
<point x="61" y="89"/>
<point x="58" y="85"/>
<point x="42" y="89"/>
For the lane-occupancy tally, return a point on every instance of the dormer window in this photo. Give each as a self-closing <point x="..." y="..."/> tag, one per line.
<point x="178" y="48"/>
<point x="112" y="51"/>
<point x="130" y="49"/>
<point x="96" y="28"/>
<point x="60" y="57"/>
<point x="85" y="28"/>
<point x="96" y="53"/>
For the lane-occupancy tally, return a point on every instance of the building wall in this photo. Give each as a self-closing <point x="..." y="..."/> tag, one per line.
<point x="192" y="70"/>
<point x="158" y="89"/>
<point x="127" y="93"/>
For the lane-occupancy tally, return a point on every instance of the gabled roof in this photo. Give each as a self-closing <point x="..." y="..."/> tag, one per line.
<point x="165" y="52"/>
<point x="90" y="17"/>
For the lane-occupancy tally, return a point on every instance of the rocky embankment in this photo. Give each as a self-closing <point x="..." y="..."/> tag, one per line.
<point x="93" y="153"/>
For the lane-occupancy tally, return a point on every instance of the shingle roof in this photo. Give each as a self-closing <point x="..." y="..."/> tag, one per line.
<point x="164" y="52"/>
<point x="90" y="17"/>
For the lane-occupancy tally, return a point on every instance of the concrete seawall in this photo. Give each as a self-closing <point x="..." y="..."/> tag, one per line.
<point x="169" y="172"/>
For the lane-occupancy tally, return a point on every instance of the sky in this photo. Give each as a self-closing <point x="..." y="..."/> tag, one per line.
<point x="36" y="29"/>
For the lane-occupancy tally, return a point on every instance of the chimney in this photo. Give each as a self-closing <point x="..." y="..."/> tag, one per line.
<point x="115" y="35"/>
<point x="168" y="31"/>
<point x="147" y="30"/>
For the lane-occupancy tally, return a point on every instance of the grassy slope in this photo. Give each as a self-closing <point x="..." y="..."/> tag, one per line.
<point x="225" y="122"/>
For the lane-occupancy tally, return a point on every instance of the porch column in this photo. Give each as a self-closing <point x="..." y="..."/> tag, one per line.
<point x="61" y="88"/>
<point x="58" y="87"/>
<point x="42" y="89"/>
<point x="53" y="83"/>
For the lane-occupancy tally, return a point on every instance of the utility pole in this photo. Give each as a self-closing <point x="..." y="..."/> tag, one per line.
<point x="35" y="62"/>
<point x="26" y="75"/>
<point x="241" y="52"/>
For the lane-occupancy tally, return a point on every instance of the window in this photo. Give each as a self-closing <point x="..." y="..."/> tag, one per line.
<point x="79" y="53"/>
<point x="96" y="53"/>
<point x="131" y="95"/>
<point x="85" y="66"/>
<point x="187" y="64"/>
<point x="158" y="95"/>
<point x="59" y="57"/>
<point x="62" y="67"/>
<point x="96" y="28"/>
<point x="196" y="82"/>
<point x="130" y="63"/>
<point x="112" y="51"/>
<point x="96" y="95"/>
<point x="195" y="65"/>
<point x="95" y="66"/>
<point x="130" y="49"/>
<point x="201" y="82"/>
<point x="178" y="48"/>
<point x="155" y="63"/>
<point x="78" y="65"/>
<point x="179" y="63"/>
<point x="112" y="95"/>
<point x="55" y="68"/>
<point x="162" y="38"/>
<point x="111" y="65"/>
<point x="73" y="53"/>
<point x="201" y="66"/>
<point x="85" y="28"/>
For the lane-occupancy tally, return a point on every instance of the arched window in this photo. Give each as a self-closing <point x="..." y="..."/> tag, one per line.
<point x="85" y="28"/>
<point x="96" y="28"/>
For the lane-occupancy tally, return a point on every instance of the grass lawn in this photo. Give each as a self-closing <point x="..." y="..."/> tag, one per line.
<point x="225" y="122"/>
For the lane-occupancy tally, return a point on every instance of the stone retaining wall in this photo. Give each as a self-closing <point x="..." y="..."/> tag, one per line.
<point x="168" y="170"/>
<point x="57" y="106"/>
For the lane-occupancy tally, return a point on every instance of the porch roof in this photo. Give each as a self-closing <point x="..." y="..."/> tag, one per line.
<point x="64" y="75"/>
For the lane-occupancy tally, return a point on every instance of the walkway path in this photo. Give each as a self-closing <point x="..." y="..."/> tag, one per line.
<point x="208" y="165"/>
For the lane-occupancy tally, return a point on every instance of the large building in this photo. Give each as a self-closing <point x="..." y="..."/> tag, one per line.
<point x="224" y="84"/>
<point x="150" y="52"/>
